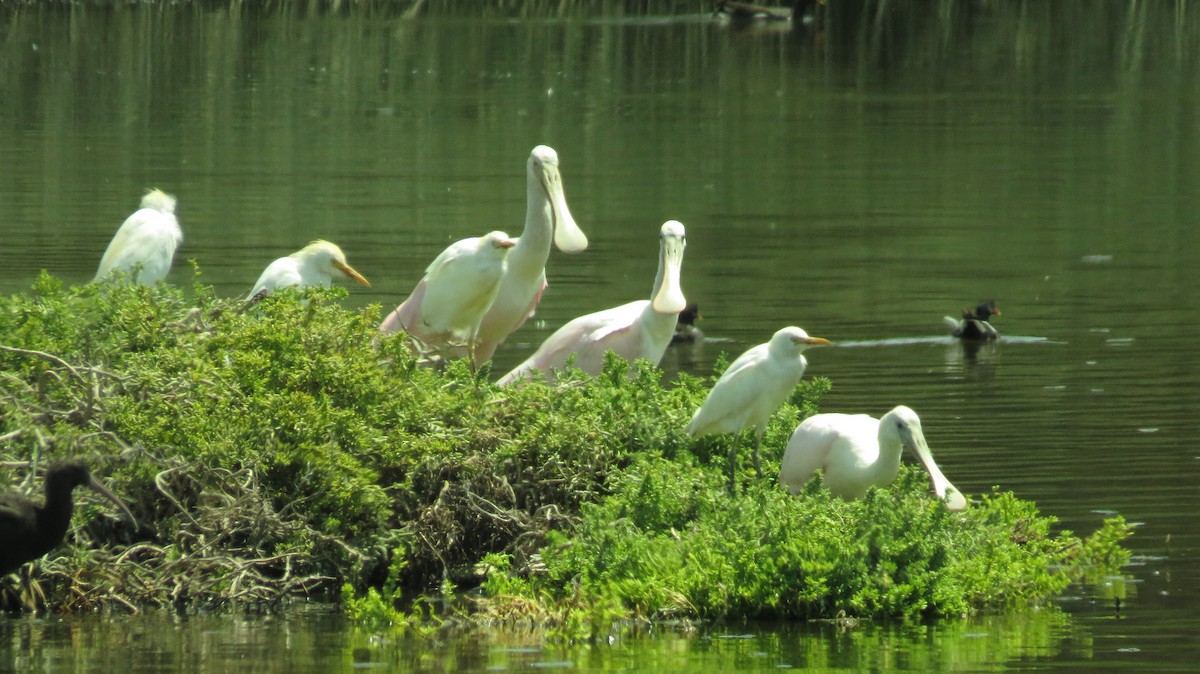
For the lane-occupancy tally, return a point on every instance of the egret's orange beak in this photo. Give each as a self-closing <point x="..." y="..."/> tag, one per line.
<point x="816" y="341"/>
<point x="349" y="271"/>
<point x="505" y="243"/>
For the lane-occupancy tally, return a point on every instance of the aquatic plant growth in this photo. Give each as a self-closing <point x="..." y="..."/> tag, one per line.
<point x="276" y="451"/>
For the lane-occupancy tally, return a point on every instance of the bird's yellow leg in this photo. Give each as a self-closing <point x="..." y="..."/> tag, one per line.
<point x="757" y="444"/>
<point x="733" y="447"/>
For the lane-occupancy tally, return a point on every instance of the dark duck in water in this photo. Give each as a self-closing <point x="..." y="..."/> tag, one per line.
<point x="28" y="530"/>
<point x="685" y="325"/>
<point x="974" y="323"/>
<point x="748" y="12"/>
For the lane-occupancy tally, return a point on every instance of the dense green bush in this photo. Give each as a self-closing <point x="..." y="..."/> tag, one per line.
<point x="668" y="543"/>
<point x="283" y="448"/>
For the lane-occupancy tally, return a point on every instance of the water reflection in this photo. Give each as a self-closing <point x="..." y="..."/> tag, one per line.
<point x="317" y="640"/>
<point x="855" y="182"/>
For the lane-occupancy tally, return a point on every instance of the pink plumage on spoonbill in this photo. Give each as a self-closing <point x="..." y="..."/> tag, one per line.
<point x="547" y="218"/>
<point x="856" y="452"/>
<point x="447" y="306"/>
<point x="641" y="329"/>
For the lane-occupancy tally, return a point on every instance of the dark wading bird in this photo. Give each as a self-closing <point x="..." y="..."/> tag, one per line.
<point x="974" y="323"/>
<point x="28" y="531"/>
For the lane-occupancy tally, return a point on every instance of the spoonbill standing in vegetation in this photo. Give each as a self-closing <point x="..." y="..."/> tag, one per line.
<point x="856" y="452"/>
<point x="640" y="329"/>
<point x="144" y="245"/>
<point x="974" y="323"/>
<point x="29" y="530"/>
<point x="447" y="306"/>
<point x="751" y="389"/>
<point x="312" y="265"/>
<point x="546" y="217"/>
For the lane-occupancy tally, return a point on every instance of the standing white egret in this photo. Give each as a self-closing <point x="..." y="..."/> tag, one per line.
<point x="974" y="324"/>
<point x="546" y="217"/>
<point x="751" y="389"/>
<point x="144" y="245"/>
<point x="447" y="306"/>
<point x="312" y="265"/>
<point x="640" y="329"/>
<point x="856" y="452"/>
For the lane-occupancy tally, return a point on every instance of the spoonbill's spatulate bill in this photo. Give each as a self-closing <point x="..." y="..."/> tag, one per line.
<point x="447" y="306"/>
<point x="144" y="245"/>
<point x="28" y="531"/>
<point x="751" y="389"/>
<point x="546" y="218"/>
<point x="856" y="452"/>
<point x="313" y="265"/>
<point x="975" y="323"/>
<point x="640" y="329"/>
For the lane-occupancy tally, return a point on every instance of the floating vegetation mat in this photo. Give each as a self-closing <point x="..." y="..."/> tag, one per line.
<point x="283" y="450"/>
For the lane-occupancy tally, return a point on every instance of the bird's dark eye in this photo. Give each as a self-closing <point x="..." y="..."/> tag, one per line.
<point x="901" y="425"/>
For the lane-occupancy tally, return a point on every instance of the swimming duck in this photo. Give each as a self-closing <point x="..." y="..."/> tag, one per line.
<point x="685" y="326"/>
<point x="974" y="323"/>
<point x="748" y="12"/>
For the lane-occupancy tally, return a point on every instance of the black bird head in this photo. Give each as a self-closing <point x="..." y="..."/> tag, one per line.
<point x="690" y="314"/>
<point x="63" y="477"/>
<point x="66" y="475"/>
<point x="983" y="311"/>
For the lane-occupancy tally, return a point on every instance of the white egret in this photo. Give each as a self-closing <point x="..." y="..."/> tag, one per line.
<point x="144" y="245"/>
<point x="312" y="265"/>
<point x="546" y="217"/>
<point x="640" y="329"/>
<point x="856" y="452"/>
<point x="447" y="306"/>
<point x="751" y="389"/>
<point x="974" y="324"/>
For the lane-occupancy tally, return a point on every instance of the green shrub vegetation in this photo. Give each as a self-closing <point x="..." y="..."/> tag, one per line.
<point x="283" y="449"/>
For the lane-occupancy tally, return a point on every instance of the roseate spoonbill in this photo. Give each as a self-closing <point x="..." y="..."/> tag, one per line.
<point x="974" y="324"/>
<point x="144" y="245"/>
<point x="685" y="325"/>
<point x="751" y="389"/>
<point x="856" y="452"/>
<point x="312" y="265"/>
<point x="447" y="306"/>
<point x="29" y="531"/>
<point x="640" y="329"/>
<point x="546" y="217"/>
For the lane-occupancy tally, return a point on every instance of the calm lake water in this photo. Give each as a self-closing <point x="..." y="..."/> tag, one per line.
<point x="860" y="181"/>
